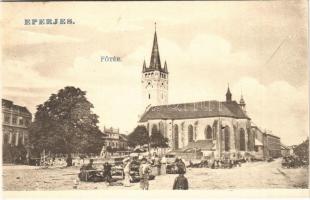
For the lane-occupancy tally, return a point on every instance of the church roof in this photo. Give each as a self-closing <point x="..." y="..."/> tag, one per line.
<point x="194" y="110"/>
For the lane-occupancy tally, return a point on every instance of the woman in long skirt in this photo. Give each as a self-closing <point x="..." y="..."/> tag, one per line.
<point x="127" y="174"/>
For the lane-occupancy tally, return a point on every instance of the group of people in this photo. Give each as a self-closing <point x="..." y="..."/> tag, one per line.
<point x="292" y="162"/>
<point x="216" y="164"/>
<point x="90" y="173"/>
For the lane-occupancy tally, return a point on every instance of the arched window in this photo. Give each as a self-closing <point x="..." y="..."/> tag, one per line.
<point x="242" y="139"/>
<point x="208" y="133"/>
<point x="162" y="128"/>
<point x="190" y="133"/>
<point x="175" y="137"/>
<point x="149" y="96"/>
<point x="154" y="128"/>
<point x="226" y="139"/>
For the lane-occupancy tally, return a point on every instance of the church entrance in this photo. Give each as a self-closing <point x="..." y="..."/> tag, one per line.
<point x="175" y="137"/>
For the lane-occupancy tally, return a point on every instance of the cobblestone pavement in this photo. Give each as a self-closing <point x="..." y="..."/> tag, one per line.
<point x="249" y="175"/>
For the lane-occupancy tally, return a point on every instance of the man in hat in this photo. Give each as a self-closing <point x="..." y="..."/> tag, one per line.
<point x="107" y="172"/>
<point x="180" y="182"/>
<point x="144" y="172"/>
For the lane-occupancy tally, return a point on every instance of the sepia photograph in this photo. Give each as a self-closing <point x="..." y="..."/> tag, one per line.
<point x="190" y="95"/>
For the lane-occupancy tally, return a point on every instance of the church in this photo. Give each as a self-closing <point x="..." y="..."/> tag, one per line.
<point x="212" y="126"/>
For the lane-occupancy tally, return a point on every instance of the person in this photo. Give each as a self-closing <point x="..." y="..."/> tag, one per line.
<point x="84" y="174"/>
<point x="69" y="160"/>
<point x="157" y="163"/>
<point x="107" y="172"/>
<point x="89" y="166"/>
<point x="180" y="182"/>
<point x="144" y="171"/>
<point x="181" y="166"/>
<point x="163" y="162"/>
<point x="127" y="173"/>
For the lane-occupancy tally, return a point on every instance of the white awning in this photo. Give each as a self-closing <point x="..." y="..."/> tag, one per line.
<point x="258" y="143"/>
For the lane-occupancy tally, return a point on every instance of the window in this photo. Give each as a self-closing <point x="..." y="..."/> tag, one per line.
<point x="14" y="120"/>
<point x="208" y="133"/>
<point x="242" y="139"/>
<point x="7" y="118"/>
<point x="149" y="96"/>
<point x="21" y="122"/>
<point x="190" y="133"/>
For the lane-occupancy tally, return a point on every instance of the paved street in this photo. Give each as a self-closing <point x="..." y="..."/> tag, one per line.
<point x="250" y="175"/>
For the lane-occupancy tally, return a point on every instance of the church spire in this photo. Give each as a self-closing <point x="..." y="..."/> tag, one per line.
<point x="228" y="94"/>
<point x="165" y="67"/>
<point x="144" y="66"/>
<point x="242" y="103"/>
<point x="155" y="58"/>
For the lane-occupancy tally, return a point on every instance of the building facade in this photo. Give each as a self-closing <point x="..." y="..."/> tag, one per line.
<point x="266" y="145"/>
<point x="15" y="123"/>
<point x="222" y="125"/>
<point x="114" y="139"/>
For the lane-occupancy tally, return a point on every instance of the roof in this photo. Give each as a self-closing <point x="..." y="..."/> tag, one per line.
<point x="271" y="135"/>
<point x="10" y="105"/>
<point x="123" y="137"/>
<point x="203" y="109"/>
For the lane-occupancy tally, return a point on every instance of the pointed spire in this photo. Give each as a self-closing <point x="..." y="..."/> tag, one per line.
<point x="228" y="94"/>
<point x="242" y="102"/>
<point x="165" y="67"/>
<point x="144" y="66"/>
<point x="155" y="58"/>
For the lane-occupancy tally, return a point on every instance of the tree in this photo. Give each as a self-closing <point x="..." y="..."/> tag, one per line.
<point x="157" y="140"/>
<point x="66" y="124"/>
<point x="138" y="137"/>
<point x="302" y="150"/>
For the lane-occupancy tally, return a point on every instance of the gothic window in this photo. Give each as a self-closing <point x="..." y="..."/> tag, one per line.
<point x="208" y="133"/>
<point x="175" y="137"/>
<point x="161" y="128"/>
<point x="242" y="139"/>
<point x="154" y="129"/>
<point x="226" y="138"/>
<point x="190" y="133"/>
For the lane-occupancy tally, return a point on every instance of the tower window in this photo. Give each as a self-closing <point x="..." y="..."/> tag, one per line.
<point x="149" y="96"/>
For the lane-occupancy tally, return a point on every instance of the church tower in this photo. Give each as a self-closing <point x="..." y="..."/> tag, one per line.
<point x="154" y="79"/>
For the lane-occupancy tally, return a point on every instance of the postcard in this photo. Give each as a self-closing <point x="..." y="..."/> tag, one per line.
<point x="206" y="96"/>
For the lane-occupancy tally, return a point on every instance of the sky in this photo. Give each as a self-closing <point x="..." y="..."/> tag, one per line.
<point x="259" y="48"/>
